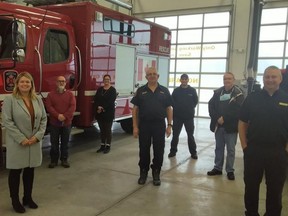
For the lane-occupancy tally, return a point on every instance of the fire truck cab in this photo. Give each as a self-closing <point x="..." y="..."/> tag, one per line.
<point x="81" y="41"/>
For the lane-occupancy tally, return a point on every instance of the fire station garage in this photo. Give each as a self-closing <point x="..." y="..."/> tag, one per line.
<point x="85" y="40"/>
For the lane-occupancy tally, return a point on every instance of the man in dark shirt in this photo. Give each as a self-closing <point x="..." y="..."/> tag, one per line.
<point x="263" y="132"/>
<point x="224" y="108"/>
<point x="152" y="104"/>
<point x="185" y="100"/>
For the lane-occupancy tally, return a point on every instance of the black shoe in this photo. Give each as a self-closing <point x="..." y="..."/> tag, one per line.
<point x="17" y="206"/>
<point x="52" y="165"/>
<point x="231" y="176"/>
<point x="214" y="172"/>
<point x="194" y="156"/>
<point x="107" y="149"/>
<point x="29" y="202"/>
<point x="156" y="177"/>
<point x="172" y="154"/>
<point x="101" y="149"/>
<point x="65" y="164"/>
<point x="143" y="177"/>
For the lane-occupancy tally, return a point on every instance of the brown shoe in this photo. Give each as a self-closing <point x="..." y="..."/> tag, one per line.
<point x="65" y="164"/>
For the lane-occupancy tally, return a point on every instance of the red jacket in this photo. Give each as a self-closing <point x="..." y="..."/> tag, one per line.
<point x="60" y="103"/>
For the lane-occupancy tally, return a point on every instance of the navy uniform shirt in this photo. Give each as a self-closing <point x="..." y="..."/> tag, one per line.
<point x="267" y="117"/>
<point x="152" y="105"/>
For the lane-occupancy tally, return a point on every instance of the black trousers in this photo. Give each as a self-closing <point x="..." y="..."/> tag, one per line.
<point x="272" y="163"/>
<point x="105" y="130"/>
<point x="189" y="127"/>
<point x="14" y="182"/>
<point x="151" y="133"/>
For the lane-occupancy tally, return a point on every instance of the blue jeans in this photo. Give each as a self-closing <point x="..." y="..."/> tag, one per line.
<point x="56" y="133"/>
<point x="229" y="139"/>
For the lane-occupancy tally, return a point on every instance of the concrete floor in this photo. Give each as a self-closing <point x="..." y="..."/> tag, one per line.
<point x="106" y="185"/>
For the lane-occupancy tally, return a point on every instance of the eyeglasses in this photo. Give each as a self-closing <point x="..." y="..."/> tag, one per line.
<point x="61" y="81"/>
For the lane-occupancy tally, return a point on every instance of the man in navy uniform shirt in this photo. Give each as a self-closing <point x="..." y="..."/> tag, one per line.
<point x="152" y="104"/>
<point x="263" y="132"/>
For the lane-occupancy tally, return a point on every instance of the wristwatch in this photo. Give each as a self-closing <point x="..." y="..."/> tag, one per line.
<point x="170" y="125"/>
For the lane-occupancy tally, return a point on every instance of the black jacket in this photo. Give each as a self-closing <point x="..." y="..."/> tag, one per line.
<point x="231" y="116"/>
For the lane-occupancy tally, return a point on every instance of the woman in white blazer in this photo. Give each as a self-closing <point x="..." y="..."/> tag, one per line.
<point x="24" y="119"/>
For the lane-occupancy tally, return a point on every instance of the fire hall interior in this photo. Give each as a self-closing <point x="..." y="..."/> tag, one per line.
<point x="106" y="184"/>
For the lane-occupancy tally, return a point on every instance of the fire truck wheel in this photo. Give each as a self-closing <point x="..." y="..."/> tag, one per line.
<point x="127" y="125"/>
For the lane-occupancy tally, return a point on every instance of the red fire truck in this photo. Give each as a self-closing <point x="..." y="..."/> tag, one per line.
<point x="82" y="41"/>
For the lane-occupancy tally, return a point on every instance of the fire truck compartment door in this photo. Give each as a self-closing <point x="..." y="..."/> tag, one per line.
<point x="125" y="69"/>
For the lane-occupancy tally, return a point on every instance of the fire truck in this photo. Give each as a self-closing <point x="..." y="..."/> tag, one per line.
<point x="82" y="41"/>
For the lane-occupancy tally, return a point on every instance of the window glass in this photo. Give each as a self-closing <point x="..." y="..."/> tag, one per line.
<point x="285" y="63"/>
<point x="172" y="65"/>
<point x="205" y="95"/>
<point x="264" y="63"/>
<point x="214" y="50"/>
<point x="188" y="65"/>
<point x="211" y="81"/>
<point x="213" y="65"/>
<point x="259" y="80"/>
<point x="215" y="35"/>
<point x="273" y="49"/>
<point x="275" y="32"/>
<point x="189" y="51"/>
<point x="286" y="50"/>
<point x="203" y="110"/>
<point x="173" y="51"/>
<point x="171" y="79"/>
<point x="56" y="47"/>
<point x="169" y="22"/>
<point x="190" y="21"/>
<point x="118" y="27"/>
<point x="173" y="37"/>
<point x="275" y="15"/>
<point x="190" y="36"/>
<point x="216" y="19"/>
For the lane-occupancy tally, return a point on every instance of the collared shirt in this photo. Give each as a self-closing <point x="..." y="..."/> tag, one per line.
<point x="152" y="105"/>
<point x="267" y="118"/>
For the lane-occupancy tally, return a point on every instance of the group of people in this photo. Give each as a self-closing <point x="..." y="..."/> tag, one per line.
<point x="25" y="120"/>
<point x="261" y="119"/>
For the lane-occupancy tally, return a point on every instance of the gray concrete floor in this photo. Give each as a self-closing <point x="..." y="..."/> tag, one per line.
<point x="106" y="185"/>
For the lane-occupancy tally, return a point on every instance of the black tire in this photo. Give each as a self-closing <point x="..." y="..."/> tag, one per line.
<point x="127" y="125"/>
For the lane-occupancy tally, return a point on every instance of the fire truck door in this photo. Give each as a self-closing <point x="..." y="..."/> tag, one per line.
<point x="125" y="69"/>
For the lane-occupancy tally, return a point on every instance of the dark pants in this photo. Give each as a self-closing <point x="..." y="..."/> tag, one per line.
<point x="105" y="131"/>
<point x="62" y="133"/>
<point x="189" y="127"/>
<point x="151" y="133"/>
<point x="272" y="163"/>
<point x="14" y="182"/>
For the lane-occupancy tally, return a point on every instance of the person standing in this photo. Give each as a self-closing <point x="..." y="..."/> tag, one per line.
<point x="104" y="103"/>
<point x="185" y="100"/>
<point x="24" y="118"/>
<point x="224" y="109"/>
<point x="263" y="129"/>
<point x="61" y="105"/>
<point x="152" y="104"/>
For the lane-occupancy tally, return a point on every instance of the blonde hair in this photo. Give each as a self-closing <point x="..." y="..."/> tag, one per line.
<point x="16" y="91"/>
